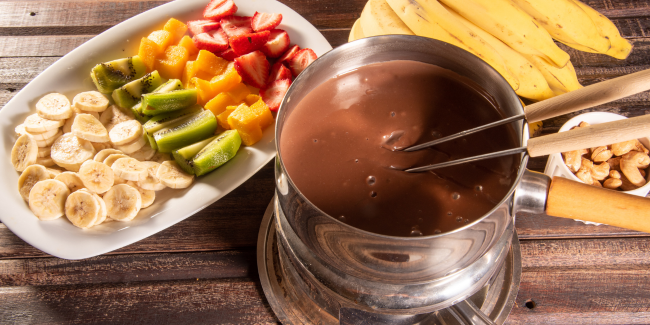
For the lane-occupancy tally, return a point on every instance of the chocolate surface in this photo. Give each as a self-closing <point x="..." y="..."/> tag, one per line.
<point x="339" y="148"/>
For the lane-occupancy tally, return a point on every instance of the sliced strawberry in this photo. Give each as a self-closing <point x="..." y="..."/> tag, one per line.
<point x="278" y="71"/>
<point x="253" y="68"/>
<point x="248" y="43"/>
<point x="197" y="27"/>
<point x="289" y="53"/>
<point x="228" y="54"/>
<point x="214" y="41"/>
<point x="263" y="21"/>
<point x="277" y="44"/>
<point x="274" y="93"/>
<point x="236" y="25"/>
<point x="218" y="9"/>
<point x="301" y="60"/>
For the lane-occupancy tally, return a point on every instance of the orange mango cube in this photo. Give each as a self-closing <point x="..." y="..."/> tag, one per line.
<point x="209" y="63"/>
<point x="188" y="44"/>
<point x="205" y="91"/>
<point x="251" y="99"/>
<point x="187" y="74"/>
<point x="176" y="28"/>
<point x="219" y="103"/>
<point x="222" y="119"/>
<point x="171" y="64"/>
<point x="226" y="81"/>
<point x="263" y="112"/>
<point x="161" y="37"/>
<point x="253" y="90"/>
<point x="239" y="92"/>
<point x="148" y="52"/>
<point x="249" y="121"/>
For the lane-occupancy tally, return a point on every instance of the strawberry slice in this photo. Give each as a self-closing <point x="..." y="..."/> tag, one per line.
<point x="277" y="44"/>
<point x="253" y="68"/>
<point x="301" y="60"/>
<point x="236" y="25"/>
<point x="279" y="71"/>
<point x="248" y="43"/>
<point x="197" y="27"/>
<point x="274" y="93"/>
<point x="214" y="41"/>
<point x="218" y="9"/>
<point x="228" y="54"/>
<point x="289" y="53"/>
<point x="263" y="21"/>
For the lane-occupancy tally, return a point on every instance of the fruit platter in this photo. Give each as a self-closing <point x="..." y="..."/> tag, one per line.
<point x="183" y="89"/>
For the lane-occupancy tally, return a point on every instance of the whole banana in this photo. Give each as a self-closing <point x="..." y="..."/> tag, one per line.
<point x="561" y="80"/>
<point x="430" y="19"/>
<point x="377" y="18"/>
<point x="620" y="48"/>
<point x="356" y="32"/>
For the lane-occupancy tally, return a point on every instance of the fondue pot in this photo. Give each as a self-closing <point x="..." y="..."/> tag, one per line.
<point x="414" y="275"/>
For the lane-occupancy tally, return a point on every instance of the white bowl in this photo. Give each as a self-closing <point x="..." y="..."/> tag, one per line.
<point x="556" y="166"/>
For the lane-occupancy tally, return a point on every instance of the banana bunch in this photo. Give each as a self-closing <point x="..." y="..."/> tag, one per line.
<point x="516" y="37"/>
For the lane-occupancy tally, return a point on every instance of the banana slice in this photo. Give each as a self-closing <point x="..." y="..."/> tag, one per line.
<point x="35" y="123"/>
<point x="151" y="182"/>
<point x="161" y="157"/>
<point x="53" y="172"/>
<point x="24" y="152"/>
<point x="20" y="130"/>
<point x="101" y="146"/>
<point x="48" y="142"/>
<point x="82" y="209"/>
<point x="42" y="135"/>
<point x="126" y="132"/>
<point x="90" y="101"/>
<point x="68" y="151"/>
<point x="129" y="169"/>
<point x="67" y="127"/>
<point x="30" y="176"/>
<point x="45" y="161"/>
<point x="44" y="152"/>
<point x="47" y="199"/>
<point x="113" y="116"/>
<point x="110" y="160"/>
<point x="71" y="180"/>
<point x="148" y="196"/>
<point x="123" y="202"/>
<point x="87" y="127"/>
<point x="103" y="154"/>
<point x="103" y="212"/>
<point x="96" y="176"/>
<point x="170" y="174"/>
<point x="69" y="167"/>
<point x="54" y="106"/>
<point x="145" y="153"/>
<point x="132" y="147"/>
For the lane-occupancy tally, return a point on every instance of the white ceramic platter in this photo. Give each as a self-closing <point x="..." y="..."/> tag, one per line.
<point x="70" y="75"/>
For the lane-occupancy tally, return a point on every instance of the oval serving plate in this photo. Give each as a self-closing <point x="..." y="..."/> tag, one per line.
<point x="70" y="75"/>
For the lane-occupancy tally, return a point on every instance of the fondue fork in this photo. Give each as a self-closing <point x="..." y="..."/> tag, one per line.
<point x="590" y="96"/>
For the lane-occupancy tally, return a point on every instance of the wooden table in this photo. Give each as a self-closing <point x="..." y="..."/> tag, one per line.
<point x="203" y="270"/>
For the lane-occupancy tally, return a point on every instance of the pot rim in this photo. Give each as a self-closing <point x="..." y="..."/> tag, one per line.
<point x="404" y="38"/>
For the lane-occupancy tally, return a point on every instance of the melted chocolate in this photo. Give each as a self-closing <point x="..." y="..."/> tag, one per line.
<point x="339" y="148"/>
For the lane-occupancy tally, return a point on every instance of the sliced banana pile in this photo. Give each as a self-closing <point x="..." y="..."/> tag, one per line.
<point x="103" y="167"/>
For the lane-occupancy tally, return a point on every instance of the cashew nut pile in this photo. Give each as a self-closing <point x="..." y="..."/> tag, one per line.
<point x="618" y="166"/>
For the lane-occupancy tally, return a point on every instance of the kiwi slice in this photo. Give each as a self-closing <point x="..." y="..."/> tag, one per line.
<point x="159" y="103"/>
<point x="152" y="142"/>
<point x="129" y="95"/>
<point x="170" y="85"/>
<point x="168" y="120"/>
<point x="217" y="152"/>
<point x="194" y="129"/>
<point x="109" y="76"/>
<point x="184" y="156"/>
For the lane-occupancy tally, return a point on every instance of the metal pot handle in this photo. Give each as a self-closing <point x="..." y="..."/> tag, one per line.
<point x="531" y="193"/>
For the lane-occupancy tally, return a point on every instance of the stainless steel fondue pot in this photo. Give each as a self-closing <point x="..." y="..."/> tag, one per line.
<point x="409" y="275"/>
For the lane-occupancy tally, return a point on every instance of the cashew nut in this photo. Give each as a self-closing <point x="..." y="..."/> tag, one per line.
<point x="600" y="172"/>
<point x="585" y="176"/>
<point x="596" y="183"/>
<point x="614" y="163"/>
<point x="612" y="183"/>
<point x="601" y="154"/>
<point x="626" y="185"/>
<point x="583" y="124"/>
<point x="642" y="172"/>
<point x="641" y="147"/>
<point x="624" y="147"/>
<point x="614" y="174"/>
<point x="630" y="165"/>
<point x="573" y="159"/>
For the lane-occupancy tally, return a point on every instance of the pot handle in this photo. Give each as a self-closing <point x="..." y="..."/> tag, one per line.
<point x="574" y="200"/>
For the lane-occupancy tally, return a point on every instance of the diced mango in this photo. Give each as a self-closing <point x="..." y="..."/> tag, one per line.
<point x="249" y="121"/>
<point x="239" y="92"/>
<point x="253" y="90"/>
<point x="161" y="37"/>
<point x="205" y="91"/>
<point x="209" y="63"/>
<point x="171" y="64"/>
<point x="251" y="99"/>
<point x="188" y="71"/>
<point x="225" y="81"/>
<point x="176" y="28"/>
<point x="188" y="43"/>
<point x="222" y="119"/>
<point x="219" y="103"/>
<point x="148" y="52"/>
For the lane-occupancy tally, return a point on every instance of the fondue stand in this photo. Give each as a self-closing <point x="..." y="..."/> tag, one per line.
<point x="298" y="297"/>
